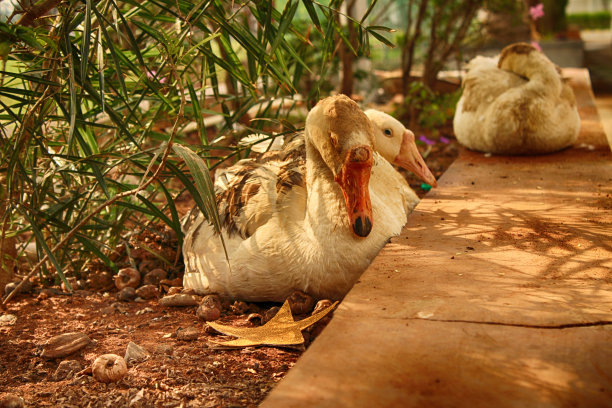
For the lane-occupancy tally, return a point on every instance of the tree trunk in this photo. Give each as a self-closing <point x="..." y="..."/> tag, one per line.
<point x="347" y="57"/>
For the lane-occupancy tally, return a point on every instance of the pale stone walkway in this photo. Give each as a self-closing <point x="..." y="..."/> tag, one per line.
<point x="498" y="293"/>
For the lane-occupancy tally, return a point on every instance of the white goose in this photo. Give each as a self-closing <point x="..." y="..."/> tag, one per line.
<point x="517" y="105"/>
<point x="282" y="235"/>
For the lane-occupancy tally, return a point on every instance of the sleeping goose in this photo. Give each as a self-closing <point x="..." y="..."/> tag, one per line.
<point x="312" y="225"/>
<point x="519" y="105"/>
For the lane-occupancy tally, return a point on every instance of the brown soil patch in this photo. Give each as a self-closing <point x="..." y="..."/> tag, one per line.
<point x="177" y="373"/>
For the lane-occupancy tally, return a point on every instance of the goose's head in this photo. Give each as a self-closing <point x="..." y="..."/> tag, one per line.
<point x="343" y="137"/>
<point x="397" y="145"/>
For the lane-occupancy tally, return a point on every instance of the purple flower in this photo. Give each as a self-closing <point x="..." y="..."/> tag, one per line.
<point x="536" y="11"/>
<point x="425" y="140"/>
<point x="536" y="45"/>
<point x="444" y="140"/>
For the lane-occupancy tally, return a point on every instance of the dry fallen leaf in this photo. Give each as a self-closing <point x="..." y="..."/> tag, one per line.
<point x="281" y="330"/>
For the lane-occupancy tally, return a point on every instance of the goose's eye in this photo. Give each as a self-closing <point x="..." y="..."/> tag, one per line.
<point x="388" y="132"/>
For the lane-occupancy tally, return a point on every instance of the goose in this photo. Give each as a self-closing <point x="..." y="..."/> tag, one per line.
<point x="311" y="222"/>
<point x="519" y="104"/>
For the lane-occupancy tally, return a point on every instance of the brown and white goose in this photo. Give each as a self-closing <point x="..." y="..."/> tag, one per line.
<point x="312" y="226"/>
<point x="519" y="104"/>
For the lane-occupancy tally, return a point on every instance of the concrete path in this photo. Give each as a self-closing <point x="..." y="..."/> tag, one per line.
<point x="498" y="293"/>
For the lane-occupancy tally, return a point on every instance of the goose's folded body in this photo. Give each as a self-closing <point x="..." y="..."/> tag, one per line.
<point x="311" y="222"/>
<point x="519" y="104"/>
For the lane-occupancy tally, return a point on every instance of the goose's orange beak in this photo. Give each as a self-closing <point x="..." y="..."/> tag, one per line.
<point x="410" y="159"/>
<point x="354" y="179"/>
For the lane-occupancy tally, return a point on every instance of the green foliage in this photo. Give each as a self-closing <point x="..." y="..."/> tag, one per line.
<point x="427" y="109"/>
<point x="590" y="21"/>
<point x="93" y="99"/>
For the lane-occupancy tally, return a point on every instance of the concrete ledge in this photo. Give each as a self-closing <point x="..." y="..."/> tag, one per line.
<point x="497" y="293"/>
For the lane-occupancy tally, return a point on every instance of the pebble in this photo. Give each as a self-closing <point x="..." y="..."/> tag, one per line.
<point x="207" y="313"/>
<point x="11" y="401"/>
<point x="321" y="305"/>
<point x="255" y="319"/>
<point x="174" y="290"/>
<point x="180" y="299"/>
<point x="187" y="334"/>
<point x="64" y="344"/>
<point x="9" y="287"/>
<point x="147" y="291"/>
<point x="143" y="311"/>
<point x="147" y="266"/>
<point x="300" y="303"/>
<point x="210" y="308"/>
<point x="108" y="310"/>
<point x="7" y="319"/>
<point x="66" y="370"/>
<point x="239" y="307"/>
<point x="269" y="314"/>
<point x="135" y="353"/>
<point x="126" y="294"/>
<point x="163" y="349"/>
<point x="154" y="277"/>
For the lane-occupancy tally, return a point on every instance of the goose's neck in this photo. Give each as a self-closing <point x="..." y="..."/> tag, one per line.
<point x="325" y="203"/>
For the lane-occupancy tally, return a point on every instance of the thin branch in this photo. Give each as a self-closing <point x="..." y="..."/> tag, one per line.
<point x="33" y="13"/>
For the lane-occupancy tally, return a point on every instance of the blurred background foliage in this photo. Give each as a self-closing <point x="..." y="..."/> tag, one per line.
<point x="110" y="110"/>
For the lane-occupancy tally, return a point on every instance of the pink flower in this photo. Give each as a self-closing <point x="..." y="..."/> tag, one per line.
<point x="152" y="74"/>
<point x="536" y="11"/>
<point x="536" y="45"/>
<point x="444" y="140"/>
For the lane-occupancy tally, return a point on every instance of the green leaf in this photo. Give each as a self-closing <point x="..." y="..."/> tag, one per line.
<point x="40" y="241"/>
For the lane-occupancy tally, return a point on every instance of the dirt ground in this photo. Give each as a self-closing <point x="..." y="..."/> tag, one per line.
<point x="177" y="371"/>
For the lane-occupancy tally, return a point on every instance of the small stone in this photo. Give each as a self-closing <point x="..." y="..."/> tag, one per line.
<point x="108" y="310"/>
<point x="66" y="370"/>
<point x="211" y="301"/>
<point x="143" y="311"/>
<point x="269" y="314"/>
<point x="187" y="334"/>
<point x="154" y="277"/>
<point x="73" y="284"/>
<point x="163" y="349"/>
<point x="239" y="307"/>
<point x="11" y="401"/>
<point x="126" y="294"/>
<point x="100" y="281"/>
<point x="27" y="287"/>
<point x="127" y="277"/>
<point x="135" y="353"/>
<point x="7" y="320"/>
<point x="174" y="290"/>
<point x="321" y="305"/>
<point x="172" y="282"/>
<point x="180" y="299"/>
<point x="255" y="319"/>
<point x="147" y="266"/>
<point x="208" y="313"/>
<point x="46" y="293"/>
<point x="148" y="292"/>
<point x="64" y="344"/>
<point x="188" y="291"/>
<point x="300" y="303"/>
<point x="210" y="330"/>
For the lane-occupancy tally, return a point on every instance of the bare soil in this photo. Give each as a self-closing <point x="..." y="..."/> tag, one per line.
<point x="176" y="373"/>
